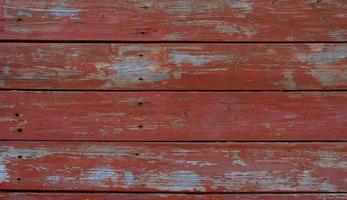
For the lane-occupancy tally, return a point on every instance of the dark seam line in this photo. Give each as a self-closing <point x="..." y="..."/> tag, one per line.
<point x="161" y="90"/>
<point x="162" y="192"/>
<point x="164" y="42"/>
<point x="177" y="141"/>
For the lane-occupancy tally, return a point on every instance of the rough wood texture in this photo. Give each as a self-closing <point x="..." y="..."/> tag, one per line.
<point x="174" y="66"/>
<point x="174" y="167"/>
<point x="174" y="116"/>
<point x="174" y="20"/>
<point x="91" y="196"/>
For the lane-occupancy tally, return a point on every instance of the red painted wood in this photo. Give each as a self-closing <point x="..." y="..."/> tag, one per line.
<point x="174" y="167"/>
<point x="91" y="196"/>
<point x="173" y="66"/>
<point x="174" y="20"/>
<point x="174" y="116"/>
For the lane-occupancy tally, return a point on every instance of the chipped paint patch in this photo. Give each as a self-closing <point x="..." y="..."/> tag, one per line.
<point x="101" y="177"/>
<point x="60" y="12"/>
<point x="331" y="160"/>
<point x="339" y="34"/>
<point x="241" y="5"/>
<point x="231" y="29"/>
<point x="196" y="60"/>
<point x="327" y="69"/>
<point x="288" y="81"/>
<point x="11" y="152"/>
<point x="132" y="70"/>
<point x="4" y="176"/>
<point x="5" y="73"/>
<point x="177" y="181"/>
<point x="53" y="179"/>
<point x="129" y="178"/>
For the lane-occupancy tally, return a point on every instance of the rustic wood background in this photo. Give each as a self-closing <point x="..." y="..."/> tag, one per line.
<point x="173" y="99"/>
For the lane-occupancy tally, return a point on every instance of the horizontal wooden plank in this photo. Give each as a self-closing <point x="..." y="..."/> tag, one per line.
<point x="173" y="66"/>
<point x="173" y="116"/>
<point x="103" y="196"/>
<point x="174" y="167"/>
<point x="174" y="20"/>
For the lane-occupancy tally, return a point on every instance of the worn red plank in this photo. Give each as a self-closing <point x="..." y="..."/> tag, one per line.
<point x="174" y="66"/>
<point x="101" y="196"/>
<point x="174" y="20"/>
<point x="174" y="167"/>
<point x="174" y="116"/>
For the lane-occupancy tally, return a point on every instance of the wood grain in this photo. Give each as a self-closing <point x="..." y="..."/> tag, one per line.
<point x="103" y="196"/>
<point x="173" y="66"/>
<point x="173" y="116"/>
<point x="174" y="20"/>
<point x="174" y="167"/>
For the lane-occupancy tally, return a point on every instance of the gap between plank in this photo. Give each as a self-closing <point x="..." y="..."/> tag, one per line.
<point x="143" y="192"/>
<point x="168" y="42"/>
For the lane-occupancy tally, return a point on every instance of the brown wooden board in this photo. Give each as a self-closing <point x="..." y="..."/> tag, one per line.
<point x="173" y="116"/>
<point x="173" y="66"/>
<point x="174" y="167"/>
<point x="174" y="20"/>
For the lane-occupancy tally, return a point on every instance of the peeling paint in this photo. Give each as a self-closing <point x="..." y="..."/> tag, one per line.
<point x="53" y="179"/>
<point x="196" y="60"/>
<point x="60" y="12"/>
<point x="129" y="178"/>
<point x="339" y="34"/>
<point x="4" y="176"/>
<point x="5" y="73"/>
<point x="7" y="153"/>
<point x="241" y="5"/>
<point x="133" y="70"/>
<point x="101" y="177"/>
<point x="288" y="81"/>
<point x="331" y="160"/>
<point x="231" y="29"/>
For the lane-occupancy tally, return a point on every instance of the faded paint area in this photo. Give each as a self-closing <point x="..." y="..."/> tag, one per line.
<point x="241" y="5"/>
<point x="338" y="34"/>
<point x="102" y="177"/>
<point x="331" y="160"/>
<point x="196" y="60"/>
<point x="236" y="159"/>
<point x="288" y="81"/>
<point x="61" y="12"/>
<point x="232" y="29"/>
<point x="4" y="75"/>
<point x="130" y="68"/>
<point x="176" y="181"/>
<point x="129" y="178"/>
<point x="178" y="20"/>
<point x="53" y="179"/>
<point x="327" y="61"/>
<point x="8" y="153"/>
<point x="305" y="181"/>
<point x="4" y="176"/>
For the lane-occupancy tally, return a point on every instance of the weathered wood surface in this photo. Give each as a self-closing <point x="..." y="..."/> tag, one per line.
<point x="174" y="20"/>
<point x="173" y="116"/>
<point x="174" y="167"/>
<point x="173" y="66"/>
<point x="103" y="196"/>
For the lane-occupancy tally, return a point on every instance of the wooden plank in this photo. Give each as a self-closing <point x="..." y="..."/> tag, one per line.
<point x="173" y="116"/>
<point x="173" y="66"/>
<point x="174" y="167"/>
<point x="174" y="20"/>
<point x="103" y="196"/>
